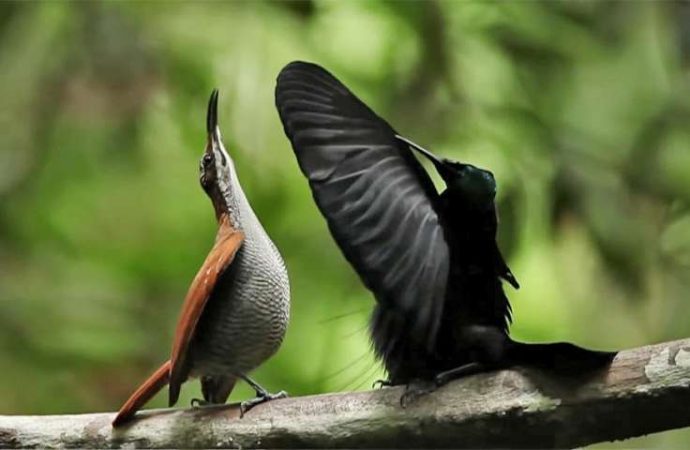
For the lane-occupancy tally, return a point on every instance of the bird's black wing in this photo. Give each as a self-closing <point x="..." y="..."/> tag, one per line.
<point x="377" y="198"/>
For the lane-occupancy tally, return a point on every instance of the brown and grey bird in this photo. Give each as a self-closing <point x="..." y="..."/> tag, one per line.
<point x="237" y="308"/>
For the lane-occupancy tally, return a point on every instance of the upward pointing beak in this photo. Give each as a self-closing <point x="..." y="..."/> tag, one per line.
<point x="212" y="120"/>
<point x="440" y="165"/>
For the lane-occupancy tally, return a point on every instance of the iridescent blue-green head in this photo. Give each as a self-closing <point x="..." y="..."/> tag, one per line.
<point x="470" y="185"/>
<point x="475" y="187"/>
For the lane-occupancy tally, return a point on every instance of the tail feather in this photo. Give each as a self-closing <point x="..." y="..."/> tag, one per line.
<point x="562" y="357"/>
<point x="143" y="394"/>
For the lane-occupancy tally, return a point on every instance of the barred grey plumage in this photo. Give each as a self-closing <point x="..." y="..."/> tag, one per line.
<point x="246" y="318"/>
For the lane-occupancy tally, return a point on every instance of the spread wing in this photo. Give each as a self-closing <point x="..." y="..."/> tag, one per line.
<point x="377" y="198"/>
<point x="228" y="242"/>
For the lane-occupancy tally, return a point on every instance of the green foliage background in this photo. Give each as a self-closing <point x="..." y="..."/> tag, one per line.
<point x="581" y="109"/>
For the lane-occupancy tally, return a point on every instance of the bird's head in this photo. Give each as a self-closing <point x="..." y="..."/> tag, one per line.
<point x="474" y="186"/>
<point x="216" y="169"/>
<point x="471" y="185"/>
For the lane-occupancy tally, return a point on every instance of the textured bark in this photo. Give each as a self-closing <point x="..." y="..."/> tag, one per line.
<point x="644" y="391"/>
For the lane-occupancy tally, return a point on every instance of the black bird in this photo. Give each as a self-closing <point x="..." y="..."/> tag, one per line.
<point x="431" y="260"/>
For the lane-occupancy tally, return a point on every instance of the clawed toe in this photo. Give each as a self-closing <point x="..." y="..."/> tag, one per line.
<point x="414" y="391"/>
<point x="262" y="397"/>
<point x="379" y="384"/>
<point x="197" y="403"/>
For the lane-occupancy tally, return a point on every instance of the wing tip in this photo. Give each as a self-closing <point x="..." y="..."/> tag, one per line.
<point x="310" y="69"/>
<point x="299" y="64"/>
<point x="173" y="394"/>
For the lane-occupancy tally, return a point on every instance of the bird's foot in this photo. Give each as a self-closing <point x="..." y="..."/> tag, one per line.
<point x="198" y="403"/>
<point x="416" y="389"/>
<point x="419" y="388"/>
<point x="379" y="384"/>
<point x="261" y="397"/>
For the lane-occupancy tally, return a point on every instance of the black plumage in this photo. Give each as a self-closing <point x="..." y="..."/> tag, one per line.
<point x="431" y="260"/>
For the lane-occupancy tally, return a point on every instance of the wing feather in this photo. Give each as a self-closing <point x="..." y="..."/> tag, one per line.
<point x="228" y="242"/>
<point x="378" y="200"/>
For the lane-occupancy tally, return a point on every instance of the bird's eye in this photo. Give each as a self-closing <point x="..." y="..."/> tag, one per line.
<point x="208" y="159"/>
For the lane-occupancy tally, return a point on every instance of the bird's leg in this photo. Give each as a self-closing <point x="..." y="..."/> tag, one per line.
<point x="215" y="390"/>
<point x="262" y="395"/>
<point x="465" y="370"/>
<point x="484" y="346"/>
<point x="487" y="347"/>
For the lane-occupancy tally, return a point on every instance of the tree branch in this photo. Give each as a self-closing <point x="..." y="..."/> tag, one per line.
<point x="645" y="390"/>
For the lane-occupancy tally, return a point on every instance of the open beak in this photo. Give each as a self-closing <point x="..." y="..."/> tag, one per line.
<point x="440" y="165"/>
<point x="212" y="121"/>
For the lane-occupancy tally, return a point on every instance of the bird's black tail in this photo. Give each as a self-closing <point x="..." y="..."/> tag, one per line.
<point x="561" y="357"/>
